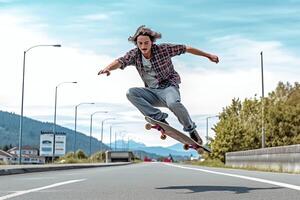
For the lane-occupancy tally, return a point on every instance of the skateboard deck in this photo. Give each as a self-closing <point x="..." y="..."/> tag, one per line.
<point x="188" y="143"/>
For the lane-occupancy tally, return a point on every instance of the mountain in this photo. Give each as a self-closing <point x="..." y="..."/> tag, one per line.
<point x="120" y="144"/>
<point x="9" y="133"/>
<point x="176" y="150"/>
<point x="177" y="147"/>
<point x="136" y="145"/>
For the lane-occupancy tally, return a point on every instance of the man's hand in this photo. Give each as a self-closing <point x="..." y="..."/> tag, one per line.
<point x="213" y="58"/>
<point x="198" y="52"/>
<point x="112" y="66"/>
<point x="104" y="71"/>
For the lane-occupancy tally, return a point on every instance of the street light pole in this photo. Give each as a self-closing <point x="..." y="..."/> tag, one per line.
<point x="123" y="143"/>
<point x="75" y="128"/>
<point x="54" y="124"/>
<point x="102" y="131"/>
<point x="22" y="101"/>
<point x="91" y="128"/>
<point x="207" y="127"/>
<point x="128" y="144"/>
<point x="115" y="141"/>
<point x="207" y="130"/>
<point x="110" y="136"/>
<point x="120" y="133"/>
<point x="263" y="138"/>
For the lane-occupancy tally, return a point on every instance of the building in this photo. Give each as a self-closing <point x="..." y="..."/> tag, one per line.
<point x="26" y="150"/>
<point x="5" y="157"/>
<point x="30" y="155"/>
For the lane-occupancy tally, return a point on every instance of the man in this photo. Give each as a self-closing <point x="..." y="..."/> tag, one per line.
<point x="155" y="67"/>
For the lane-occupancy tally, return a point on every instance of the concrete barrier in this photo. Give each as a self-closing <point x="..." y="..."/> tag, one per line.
<point x="119" y="156"/>
<point x="283" y="159"/>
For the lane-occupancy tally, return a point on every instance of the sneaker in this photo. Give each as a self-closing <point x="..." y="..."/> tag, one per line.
<point x="164" y="121"/>
<point x="195" y="136"/>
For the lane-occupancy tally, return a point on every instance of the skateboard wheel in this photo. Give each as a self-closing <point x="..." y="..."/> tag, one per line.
<point x="200" y="151"/>
<point x="163" y="137"/>
<point x="148" y="126"/>
<point x="186" y="147"/>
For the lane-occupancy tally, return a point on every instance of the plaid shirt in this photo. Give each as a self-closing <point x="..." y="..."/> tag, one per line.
<point x="160" y="61"/>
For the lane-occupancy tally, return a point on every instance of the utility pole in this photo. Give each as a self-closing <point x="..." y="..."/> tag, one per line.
<point x="263" y="138"/>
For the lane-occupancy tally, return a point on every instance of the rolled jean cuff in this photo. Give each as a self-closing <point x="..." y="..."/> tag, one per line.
<point x="160" y="116"/>
<point x="190" y="128"/>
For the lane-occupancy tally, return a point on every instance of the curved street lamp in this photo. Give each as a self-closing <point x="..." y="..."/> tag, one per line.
<point x="102" y="131"/>
<point x="54" y="124"/>
<point x="120" y="133"/>
<point x="76" y="123"/>
<point x="91" y="128"/>
<point x="22" y="101"/>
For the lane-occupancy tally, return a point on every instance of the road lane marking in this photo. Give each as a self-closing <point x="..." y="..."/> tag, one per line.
<point x="286" y="185"/>
<point x="19" y="193"/>
<point x="36" y="178"/>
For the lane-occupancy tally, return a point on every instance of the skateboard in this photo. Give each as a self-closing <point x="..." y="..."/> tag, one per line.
<point x="166" y="130"/>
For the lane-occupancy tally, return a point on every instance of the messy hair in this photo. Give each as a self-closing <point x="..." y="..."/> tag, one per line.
<point x="143" y="30"/>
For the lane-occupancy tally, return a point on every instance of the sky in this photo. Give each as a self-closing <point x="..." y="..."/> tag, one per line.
<point x="94" y="33"/>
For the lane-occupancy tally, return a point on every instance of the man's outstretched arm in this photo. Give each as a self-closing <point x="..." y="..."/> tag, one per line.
<point x="112" y="66"/>
<point x="198" y="52"/>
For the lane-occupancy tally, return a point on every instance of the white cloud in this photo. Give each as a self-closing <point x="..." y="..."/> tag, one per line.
<point x="96" y="17"/>
<point x="100" y="17"/>
<point x="238" y="52"/>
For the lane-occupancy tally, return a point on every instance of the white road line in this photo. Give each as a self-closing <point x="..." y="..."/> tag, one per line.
<point x="286" y="185"/>
<point x="37" y="178"/>
<point x="19" y="193"/>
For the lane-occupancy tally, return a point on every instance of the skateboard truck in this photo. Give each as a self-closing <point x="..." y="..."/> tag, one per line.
<point x="163" y="136"/>
<point x="190" y="146"/>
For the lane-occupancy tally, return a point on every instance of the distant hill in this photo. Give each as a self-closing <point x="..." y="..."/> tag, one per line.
<point x="176" y="150"/>
<point x="124" y="144"/>
<point x="179" y="147"/>
<point x="9" y="133"/>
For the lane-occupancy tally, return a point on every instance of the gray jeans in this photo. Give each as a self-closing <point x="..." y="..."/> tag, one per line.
<point x="146" y="99"/>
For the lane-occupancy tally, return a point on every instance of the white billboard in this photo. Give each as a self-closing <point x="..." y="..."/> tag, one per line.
<point x="46" y="144"/>
<point x="60" y="144"/>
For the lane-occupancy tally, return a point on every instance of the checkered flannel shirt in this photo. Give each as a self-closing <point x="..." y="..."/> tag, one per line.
<point x="160" y="61"/>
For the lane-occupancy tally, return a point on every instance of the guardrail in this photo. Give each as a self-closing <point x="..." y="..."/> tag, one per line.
<point x="283" y="159"/>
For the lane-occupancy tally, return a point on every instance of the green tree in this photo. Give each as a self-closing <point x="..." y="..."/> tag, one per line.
<point x="283" y="115"/>
<point x="240" y="123"/>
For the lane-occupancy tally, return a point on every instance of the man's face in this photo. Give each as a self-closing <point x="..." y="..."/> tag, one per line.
<point x="144" y="44"/>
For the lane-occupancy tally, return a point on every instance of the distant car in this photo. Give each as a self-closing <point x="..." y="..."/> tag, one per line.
<point x="146" y="159"/>
<point x="169" y="160"/>
<point x="46" y="142"/>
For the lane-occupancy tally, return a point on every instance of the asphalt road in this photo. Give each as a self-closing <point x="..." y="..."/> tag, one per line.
<point x="150" y="181"/>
